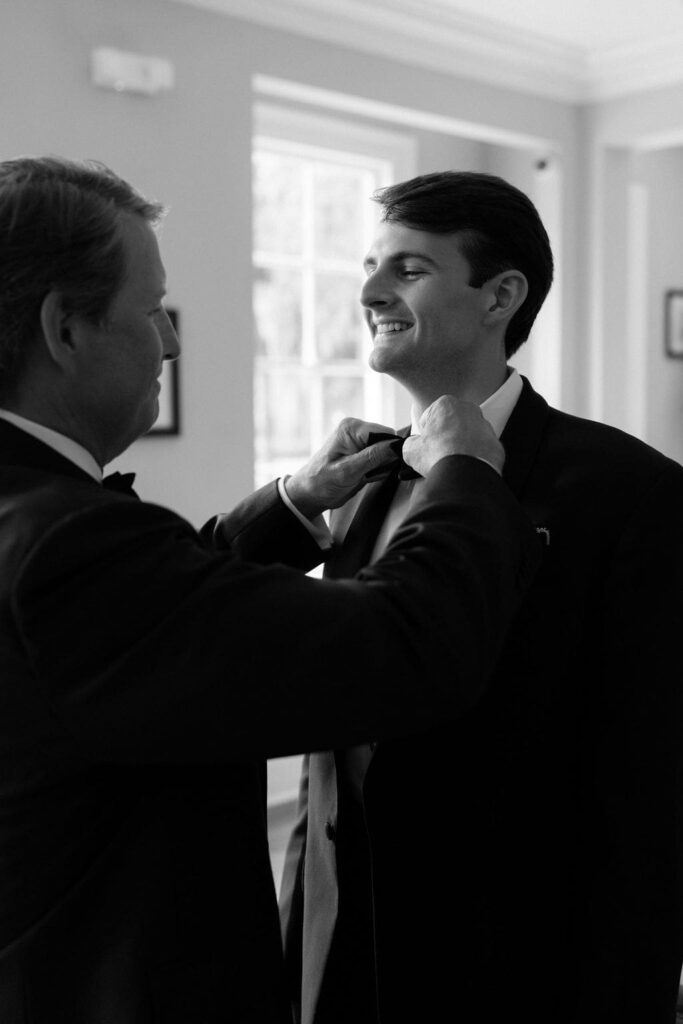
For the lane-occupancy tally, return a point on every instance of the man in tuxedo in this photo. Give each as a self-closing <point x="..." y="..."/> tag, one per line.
<point x="146" y="670"/>
<point x="524" y="860"/>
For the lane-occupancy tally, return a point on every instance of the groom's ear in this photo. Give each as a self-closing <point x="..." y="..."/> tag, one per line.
<point x="503" y="295"/>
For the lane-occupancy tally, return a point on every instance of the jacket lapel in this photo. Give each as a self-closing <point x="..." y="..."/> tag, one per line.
<point x="353" y="549"/>
<point x="354" y="527"/>
<point x="526" y="466"/>
<point x="522" y="437"/>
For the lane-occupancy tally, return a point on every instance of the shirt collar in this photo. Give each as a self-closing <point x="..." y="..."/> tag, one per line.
<point x="498" y="407"/>
<point x="65" y="446"/>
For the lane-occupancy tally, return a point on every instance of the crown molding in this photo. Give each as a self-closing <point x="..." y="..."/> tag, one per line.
<point x="624" y="70"/>
<point x="436" y="37"/>
<point x="411" y="117"/>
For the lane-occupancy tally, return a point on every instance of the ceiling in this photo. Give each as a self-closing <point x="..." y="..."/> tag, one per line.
<point x="579" y="51"/>
<point x="589" y="25"/>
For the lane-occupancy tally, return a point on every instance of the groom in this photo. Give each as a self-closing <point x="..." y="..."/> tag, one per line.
<point x="525" y="858"/>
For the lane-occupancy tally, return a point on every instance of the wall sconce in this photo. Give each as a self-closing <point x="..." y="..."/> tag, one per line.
<point x="130" y="72"/>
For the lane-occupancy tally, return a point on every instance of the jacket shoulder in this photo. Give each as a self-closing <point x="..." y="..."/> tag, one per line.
<point x="35" y="506"/>
<point x="609" y="446"/>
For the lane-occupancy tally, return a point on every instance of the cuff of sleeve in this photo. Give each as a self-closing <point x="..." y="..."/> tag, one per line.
<point x="317" y="527"/>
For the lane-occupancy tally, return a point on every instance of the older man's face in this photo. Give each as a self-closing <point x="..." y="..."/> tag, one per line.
<point x="124" y="357"/>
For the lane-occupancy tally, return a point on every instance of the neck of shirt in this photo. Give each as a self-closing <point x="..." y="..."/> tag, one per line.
<point x="66" y="446"/>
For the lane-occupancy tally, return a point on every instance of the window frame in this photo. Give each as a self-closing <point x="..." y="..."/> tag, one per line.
<point x="389" y="156"/>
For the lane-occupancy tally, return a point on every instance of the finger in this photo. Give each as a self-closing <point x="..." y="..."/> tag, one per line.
<point x="380" y="435"/>
<point x="366" y="433"/>
<point x="411" y="445"/>
<point x="433" y="410"/>
<point x="383" y="456"/>
<point x="353" y="468"/>
<point x="416" y="456"/>
<point x="424" y="418"/>
<point x="351" y="436"/>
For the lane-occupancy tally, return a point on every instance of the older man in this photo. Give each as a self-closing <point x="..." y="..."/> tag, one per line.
<point x="145" y="670"/>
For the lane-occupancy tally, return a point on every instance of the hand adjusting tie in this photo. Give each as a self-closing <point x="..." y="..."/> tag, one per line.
<point x="405" y="472"/>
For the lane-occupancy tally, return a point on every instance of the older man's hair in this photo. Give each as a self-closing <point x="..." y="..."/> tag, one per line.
<point x="59" y="229"/>
<point x="498" y="228"/>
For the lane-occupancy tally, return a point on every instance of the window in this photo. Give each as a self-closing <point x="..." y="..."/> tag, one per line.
<point x="313" y="221"/>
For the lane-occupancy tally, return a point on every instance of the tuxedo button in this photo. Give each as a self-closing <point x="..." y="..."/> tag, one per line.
<point x="330" y="831"/>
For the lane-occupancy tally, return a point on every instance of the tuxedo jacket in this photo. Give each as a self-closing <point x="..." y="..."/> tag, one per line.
<point x="144" y="677"/>
<point x="526" y="858"/>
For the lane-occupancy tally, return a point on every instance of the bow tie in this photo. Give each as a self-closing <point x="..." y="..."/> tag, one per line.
<point x="405" y="472"/>
<point x="122" y="482"/>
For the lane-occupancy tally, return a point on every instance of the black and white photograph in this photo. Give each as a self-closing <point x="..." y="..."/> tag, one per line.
<point x="341" y="482"/>
<point x="674" y="323"/>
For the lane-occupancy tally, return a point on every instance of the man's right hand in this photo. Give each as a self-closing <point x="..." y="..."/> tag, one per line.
<point x="340" y="468"/>
<point x="450" y="426"/>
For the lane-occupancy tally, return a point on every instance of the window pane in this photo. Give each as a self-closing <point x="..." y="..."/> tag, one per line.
<point x="278" y="203"/>
<point x="277" y="313"/>
<point x="340" y="200"/>
<point x="342" y="396"/>
<point x="339" y="325"/>
<point x="282" y="414"/>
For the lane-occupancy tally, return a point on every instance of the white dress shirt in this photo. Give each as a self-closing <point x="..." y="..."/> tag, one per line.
<point x="317" y="527"/>
<point x="67" y="447"/>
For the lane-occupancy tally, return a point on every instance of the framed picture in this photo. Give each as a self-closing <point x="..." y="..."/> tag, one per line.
<point x="168" y="421"/>
<point x="673" y="323"/>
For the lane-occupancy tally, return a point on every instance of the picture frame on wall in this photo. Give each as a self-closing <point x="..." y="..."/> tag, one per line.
<point x="673" y="323"/>
<point x="168" y="420"/>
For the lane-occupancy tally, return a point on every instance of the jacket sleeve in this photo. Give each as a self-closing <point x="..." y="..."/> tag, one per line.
<point x="262" y="529"/>
<point x="149" y="647"/>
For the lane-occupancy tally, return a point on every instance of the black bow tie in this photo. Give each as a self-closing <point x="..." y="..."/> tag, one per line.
<point x="122" y="482"/>
<point x="405" y="472"/>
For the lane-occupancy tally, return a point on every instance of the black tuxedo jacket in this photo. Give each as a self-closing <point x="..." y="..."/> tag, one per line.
<point x="144" y="675"/>
<point x="525" y="861"/>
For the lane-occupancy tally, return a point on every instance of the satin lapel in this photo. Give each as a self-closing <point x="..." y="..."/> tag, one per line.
<point x="522" y="437"/>
<point x="354" y="553"/>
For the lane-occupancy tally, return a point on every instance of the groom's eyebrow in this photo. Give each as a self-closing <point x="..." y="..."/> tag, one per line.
<point x="397" y="257"/>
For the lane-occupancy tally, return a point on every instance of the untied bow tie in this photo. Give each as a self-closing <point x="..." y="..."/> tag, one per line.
<point x="405" y="472"/>
<point x="122" y="482"/>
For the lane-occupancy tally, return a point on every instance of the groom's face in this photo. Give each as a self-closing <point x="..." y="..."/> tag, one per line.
<point x="424" y="316"/>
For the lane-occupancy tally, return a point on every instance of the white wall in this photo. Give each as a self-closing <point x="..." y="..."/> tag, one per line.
<point x="661" y="172"/>
<point x="633" y="254"/>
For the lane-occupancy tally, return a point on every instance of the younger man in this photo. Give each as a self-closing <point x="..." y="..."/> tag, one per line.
<point x="524" y="859"/>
